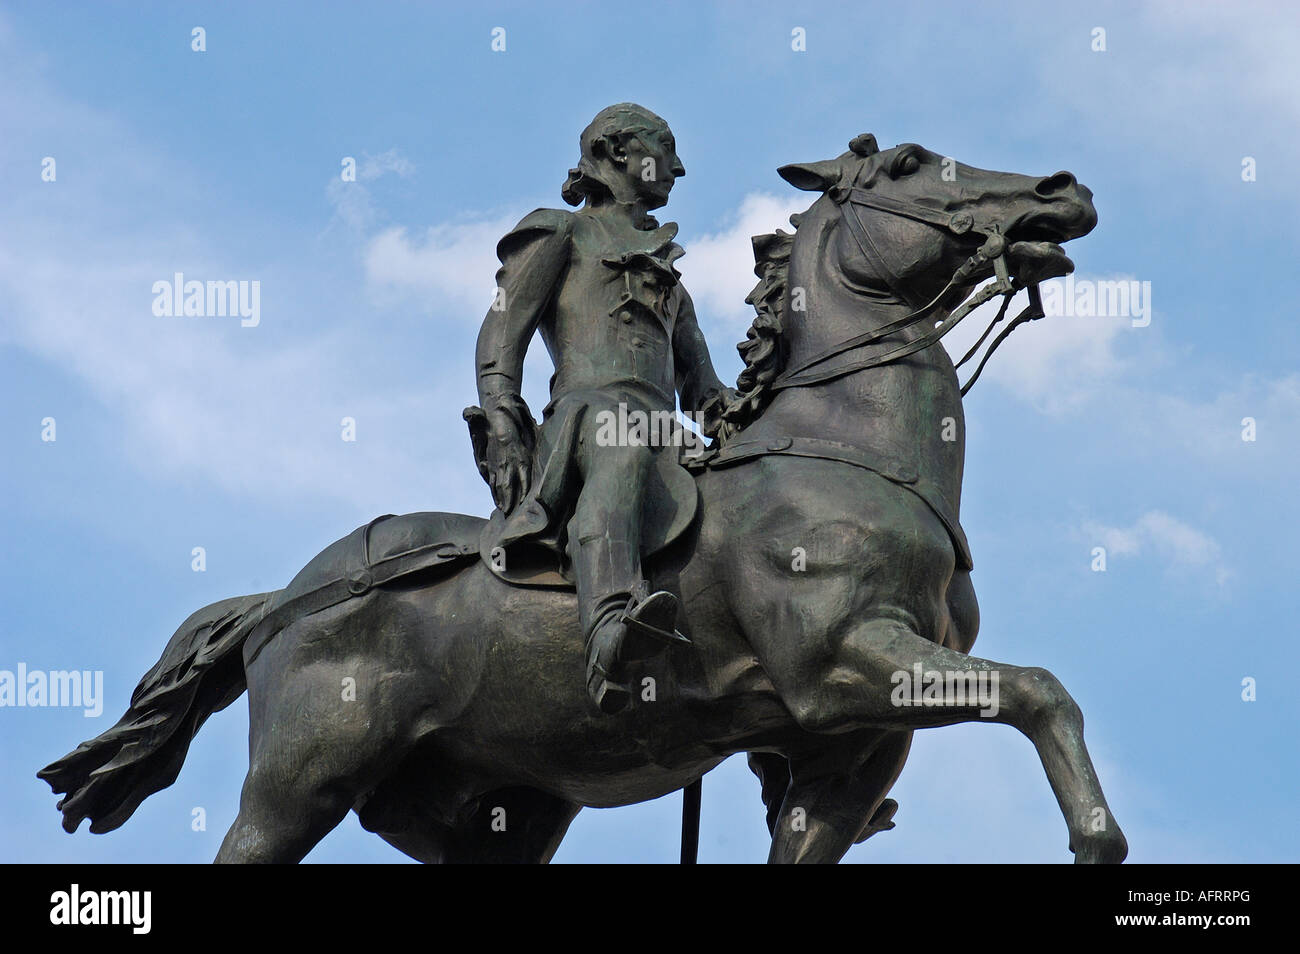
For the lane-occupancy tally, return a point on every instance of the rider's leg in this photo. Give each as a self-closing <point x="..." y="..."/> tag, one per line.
<point x="607" y="558"/>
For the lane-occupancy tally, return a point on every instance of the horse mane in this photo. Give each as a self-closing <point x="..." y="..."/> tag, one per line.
<point x="763" y="349"/>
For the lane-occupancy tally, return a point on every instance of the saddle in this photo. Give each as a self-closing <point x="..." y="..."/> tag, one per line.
<point x="668" y="508"/>
<point x="391" y="549"/>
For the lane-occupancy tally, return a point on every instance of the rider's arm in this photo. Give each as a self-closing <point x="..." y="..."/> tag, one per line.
<point x="697" y="382"/>
<point x="533" y="256"/>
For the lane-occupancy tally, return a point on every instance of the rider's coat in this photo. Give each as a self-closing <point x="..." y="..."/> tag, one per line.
<point x="620" y="330"/>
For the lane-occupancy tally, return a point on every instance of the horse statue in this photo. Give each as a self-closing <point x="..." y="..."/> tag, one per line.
<point x="823" y="574"/>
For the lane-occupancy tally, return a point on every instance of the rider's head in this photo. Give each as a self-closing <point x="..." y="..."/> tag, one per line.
<point x="628" y="155"/>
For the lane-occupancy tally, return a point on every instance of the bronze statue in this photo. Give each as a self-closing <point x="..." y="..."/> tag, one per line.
<point x="425" y="670"/>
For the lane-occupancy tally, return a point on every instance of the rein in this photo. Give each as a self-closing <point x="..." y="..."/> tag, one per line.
<point x="993" y="250"/>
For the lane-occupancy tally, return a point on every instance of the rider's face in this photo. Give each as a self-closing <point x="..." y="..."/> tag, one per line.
<point x="651" y="165"/>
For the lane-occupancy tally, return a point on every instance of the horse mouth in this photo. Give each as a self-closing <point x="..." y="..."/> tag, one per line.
<point x="1035" y="252"/>
<point x="1037" y="232"/>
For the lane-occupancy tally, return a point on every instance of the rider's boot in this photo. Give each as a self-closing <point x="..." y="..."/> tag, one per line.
<point x="641" y="628"/>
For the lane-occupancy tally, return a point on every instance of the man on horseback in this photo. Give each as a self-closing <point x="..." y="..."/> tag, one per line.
<point x="600" y="286"/>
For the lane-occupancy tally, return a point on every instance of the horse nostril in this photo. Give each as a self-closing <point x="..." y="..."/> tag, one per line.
<point x="1051" y="185"/>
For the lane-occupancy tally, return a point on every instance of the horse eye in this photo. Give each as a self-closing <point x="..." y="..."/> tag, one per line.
<point x="908" y="165"/>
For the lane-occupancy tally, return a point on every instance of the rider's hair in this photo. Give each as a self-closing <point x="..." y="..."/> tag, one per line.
<point x="613" y="123"/>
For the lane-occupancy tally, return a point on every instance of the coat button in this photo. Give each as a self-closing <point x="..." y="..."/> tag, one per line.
<point x="625" y="317"/>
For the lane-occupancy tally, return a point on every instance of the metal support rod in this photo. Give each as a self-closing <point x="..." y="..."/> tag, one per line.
<point x="691" y="821"/>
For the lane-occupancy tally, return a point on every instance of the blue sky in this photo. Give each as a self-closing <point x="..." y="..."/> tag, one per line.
<point x="173" y="433"/>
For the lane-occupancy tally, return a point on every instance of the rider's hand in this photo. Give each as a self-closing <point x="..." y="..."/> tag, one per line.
<point x="711" y="411"/>
<point x="509" y="456"/>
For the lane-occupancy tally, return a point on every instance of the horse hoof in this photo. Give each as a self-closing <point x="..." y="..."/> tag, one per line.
<point x="1101" y="848"/>
<point x="882" y="820"/>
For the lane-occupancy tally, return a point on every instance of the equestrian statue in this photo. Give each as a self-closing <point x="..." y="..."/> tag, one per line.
<point x="783" y="575"/>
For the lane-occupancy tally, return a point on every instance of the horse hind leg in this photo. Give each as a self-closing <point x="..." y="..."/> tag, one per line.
<point x="281" y="818"/>
<point x="320" y="733"/>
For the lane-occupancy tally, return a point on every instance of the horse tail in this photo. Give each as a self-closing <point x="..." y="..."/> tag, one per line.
<point x="201" y="672"/>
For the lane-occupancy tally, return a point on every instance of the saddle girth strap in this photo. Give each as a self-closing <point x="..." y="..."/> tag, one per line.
<point x="738" y="452"/>
<point x="363" y="575"/>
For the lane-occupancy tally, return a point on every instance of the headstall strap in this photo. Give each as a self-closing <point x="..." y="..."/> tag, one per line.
<point x="993" y="250"/>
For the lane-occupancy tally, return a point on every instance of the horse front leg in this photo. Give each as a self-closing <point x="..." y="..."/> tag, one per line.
<point x="850" y="635"/>
<point x="836" y="796"/>
<point x="888" y="658"/>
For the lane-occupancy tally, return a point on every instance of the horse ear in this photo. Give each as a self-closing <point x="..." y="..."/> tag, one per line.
<point x="811" y="176"/>
<point x="864" y="145"/>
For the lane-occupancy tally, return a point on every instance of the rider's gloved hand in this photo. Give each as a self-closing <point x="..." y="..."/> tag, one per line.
<point x="504" y="436"/>
<point x="712" y="410"/>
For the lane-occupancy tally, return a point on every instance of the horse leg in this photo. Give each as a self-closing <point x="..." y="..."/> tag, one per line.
<point x="773" y="771"/>
<point x="314" y="748"/>
<point x="836" y="796"/>
<point x="1031" y="700"/>
<point x="281" y="817"/>
<point x="866" y="617"/>
<point x="883" y="765"/>
<point x="511" y="826"/>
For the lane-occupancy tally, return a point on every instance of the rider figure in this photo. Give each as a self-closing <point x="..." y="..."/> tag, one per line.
<point x="600" y="285"/>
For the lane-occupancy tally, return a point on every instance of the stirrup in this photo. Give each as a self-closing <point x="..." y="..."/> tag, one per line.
<point x="653" y="616"/>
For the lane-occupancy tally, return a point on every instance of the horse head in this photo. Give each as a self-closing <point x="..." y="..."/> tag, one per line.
<point x="923" y="215"/>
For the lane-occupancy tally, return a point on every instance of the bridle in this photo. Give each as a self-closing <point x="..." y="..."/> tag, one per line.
<point x="959" y="223"/>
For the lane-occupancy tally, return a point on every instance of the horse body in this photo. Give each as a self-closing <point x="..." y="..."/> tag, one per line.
<point x="450" y="712"/>
<point x="442" y="732"/>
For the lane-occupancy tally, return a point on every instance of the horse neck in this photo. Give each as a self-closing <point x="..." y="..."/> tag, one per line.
<point x="835" y="307"/>
<point x="861" y="406"/>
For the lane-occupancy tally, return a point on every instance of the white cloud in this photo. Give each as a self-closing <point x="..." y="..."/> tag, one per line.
<point x="354" y="204"/>
<point x="448" y="264"/>
<point x="1055" y="363"/>
<point x="250" y="411"/>
<point x="1176" y="543"/>
<point x="372" y="167"/>
<point x="1212" y="429"/>
<point x="718" y="268"/>
<point x="1216" y="82"/>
